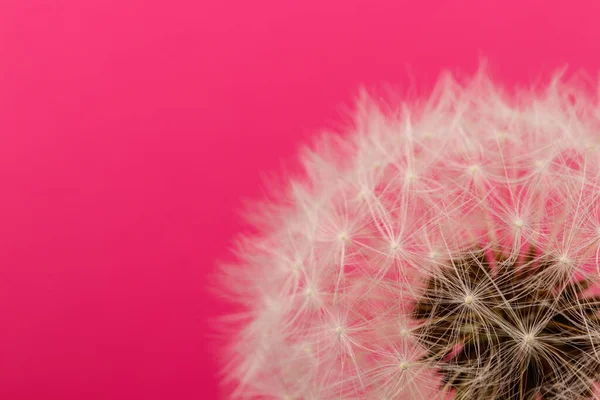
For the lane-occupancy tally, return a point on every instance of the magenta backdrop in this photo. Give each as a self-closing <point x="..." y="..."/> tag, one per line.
<point x="130" y="130"/>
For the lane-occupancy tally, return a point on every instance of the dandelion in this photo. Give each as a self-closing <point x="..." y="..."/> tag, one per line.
<point x="446" y="249"/>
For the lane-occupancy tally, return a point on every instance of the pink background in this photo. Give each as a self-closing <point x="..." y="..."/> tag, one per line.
<point x="130" y="130"/>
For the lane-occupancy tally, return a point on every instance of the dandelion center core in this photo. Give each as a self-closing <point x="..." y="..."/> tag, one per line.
<point x="479" y="351"/>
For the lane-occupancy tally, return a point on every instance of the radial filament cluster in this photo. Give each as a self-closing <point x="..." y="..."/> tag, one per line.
<point x="507" y="329"/>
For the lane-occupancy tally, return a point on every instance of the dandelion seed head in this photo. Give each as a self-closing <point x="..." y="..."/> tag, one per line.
<point x="443" y="249"/>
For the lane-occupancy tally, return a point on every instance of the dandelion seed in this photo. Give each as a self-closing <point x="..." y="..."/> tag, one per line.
<point x="528" y="339"/>
<point x="473" y="169"/>
<point x="539" y="164"/>
<point x="343" y="237"/>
